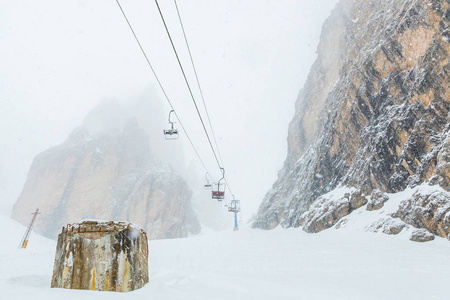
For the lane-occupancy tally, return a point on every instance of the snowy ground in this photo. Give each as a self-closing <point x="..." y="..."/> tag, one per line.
<point x="348" y="263"/>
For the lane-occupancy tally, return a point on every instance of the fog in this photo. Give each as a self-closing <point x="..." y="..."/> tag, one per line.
<point x="60" y="59"/>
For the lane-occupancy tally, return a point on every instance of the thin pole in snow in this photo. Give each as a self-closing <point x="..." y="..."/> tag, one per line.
<point x="24" y="242"/>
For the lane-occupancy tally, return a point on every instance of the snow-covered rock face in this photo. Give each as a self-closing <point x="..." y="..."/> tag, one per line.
<point x="101" y="256"/>
<point x="429" y="210"/>
<point x="110" y="176"/>
<point x="373" y="115"/>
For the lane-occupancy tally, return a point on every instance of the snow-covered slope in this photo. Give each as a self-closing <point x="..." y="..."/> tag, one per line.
<point x="346" y="263"/>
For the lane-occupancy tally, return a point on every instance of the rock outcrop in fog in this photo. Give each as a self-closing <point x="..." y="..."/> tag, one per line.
<point x="373" y="117"/>
<point x="108" y="173"/>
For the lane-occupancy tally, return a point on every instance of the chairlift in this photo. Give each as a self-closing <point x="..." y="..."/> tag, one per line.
<point x="207" y="185"/>
<point x="234" y="206"/>
<point x="172" y="133"/>
<point x="218" y="191"/>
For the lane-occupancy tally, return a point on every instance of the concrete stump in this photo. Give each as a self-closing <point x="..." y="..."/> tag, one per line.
<point x="101" y="256"/>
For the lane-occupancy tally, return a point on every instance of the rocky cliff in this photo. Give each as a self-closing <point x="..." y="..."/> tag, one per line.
<point x="372" y="117"/>
<point x="110" y="175"/>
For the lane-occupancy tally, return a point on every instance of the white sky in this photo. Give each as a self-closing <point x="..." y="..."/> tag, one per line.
<point x="60" y="58"/>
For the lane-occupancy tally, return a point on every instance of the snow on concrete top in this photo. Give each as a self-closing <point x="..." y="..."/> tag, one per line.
<point x="99" y="228"/>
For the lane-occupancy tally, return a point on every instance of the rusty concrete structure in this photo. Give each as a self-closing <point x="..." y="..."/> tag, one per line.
<point x="101" y="256"/>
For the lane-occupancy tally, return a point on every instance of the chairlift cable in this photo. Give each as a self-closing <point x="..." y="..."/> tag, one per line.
<point x="187" y="83"/>
<point x="160" y="85"/>
<point x="165" y="94"/>
<point x="145" y="55"/>
<point x="200" y="89"/>
<point x="198" y="81"/>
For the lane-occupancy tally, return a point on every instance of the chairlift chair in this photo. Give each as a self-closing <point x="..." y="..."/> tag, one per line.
<point x="172" y="133"/>
<point x="232" y="210"/>
<point x="219" y="195"/>
<point x="234" y="206"/>
<point x="218" y="191"/>
<point x="207" y="185"/>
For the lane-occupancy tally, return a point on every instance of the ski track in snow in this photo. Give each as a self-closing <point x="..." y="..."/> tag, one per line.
<point x="348" y="263"/>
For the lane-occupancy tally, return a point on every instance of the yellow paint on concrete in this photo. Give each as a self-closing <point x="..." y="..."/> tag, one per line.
<point x="126" y="276"/>
<point x="107" y="281"/>
<point x="65" y="276"/>
<point x="92" y="285"/>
